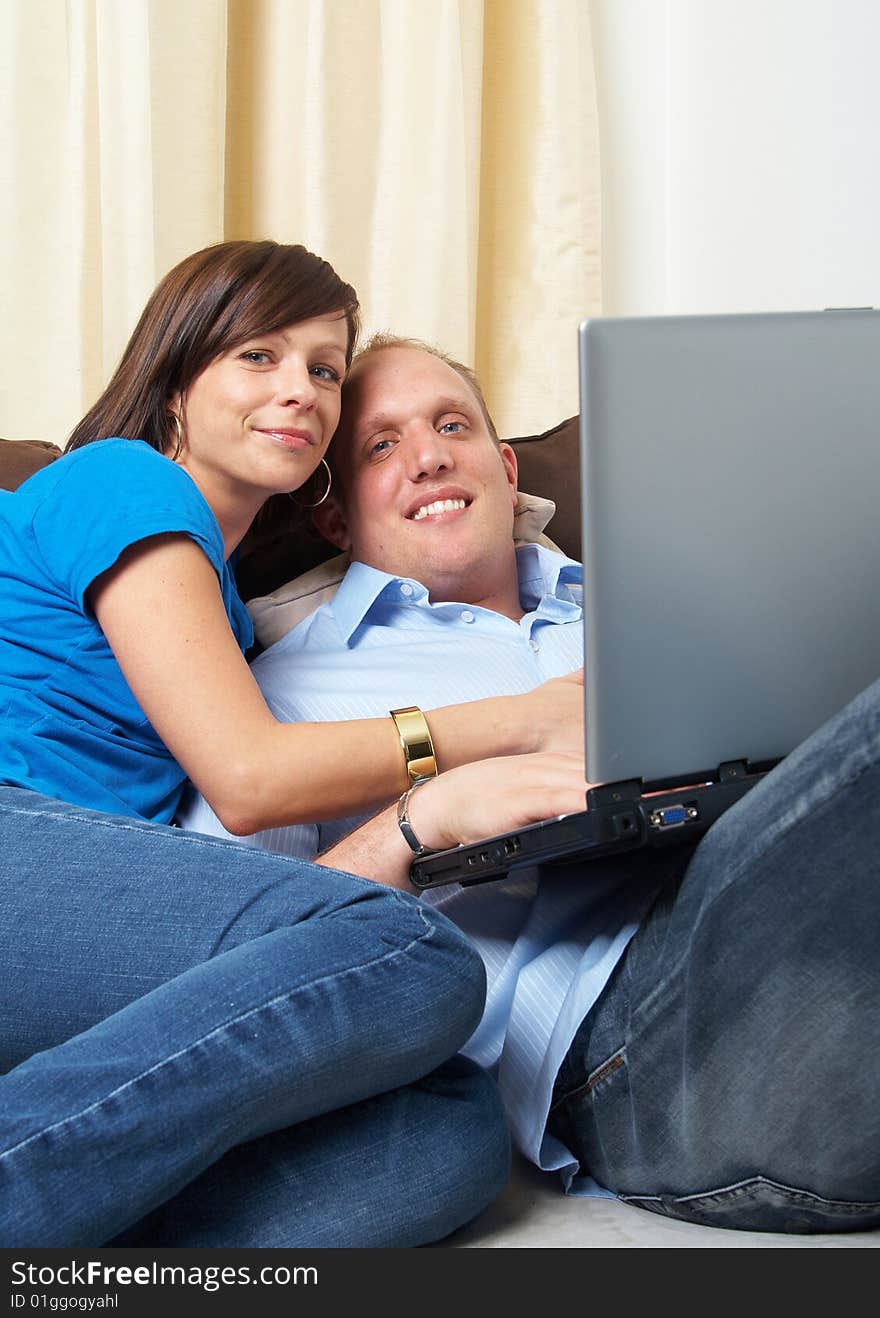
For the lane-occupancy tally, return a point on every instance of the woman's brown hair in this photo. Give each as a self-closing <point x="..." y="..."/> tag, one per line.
<point x="213" y="300"/>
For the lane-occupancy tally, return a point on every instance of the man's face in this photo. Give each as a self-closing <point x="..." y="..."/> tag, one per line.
<point x="426" y="492"/>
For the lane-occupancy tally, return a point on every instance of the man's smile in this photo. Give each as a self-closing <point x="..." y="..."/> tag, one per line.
<point x="439" y="506"/>
<point x="438" y="503"/>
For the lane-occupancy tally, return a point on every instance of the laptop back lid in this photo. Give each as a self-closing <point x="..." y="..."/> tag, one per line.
<point x="731" y="510"/>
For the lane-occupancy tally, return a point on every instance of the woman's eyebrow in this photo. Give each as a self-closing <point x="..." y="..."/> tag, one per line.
<point x="330" y="345"/>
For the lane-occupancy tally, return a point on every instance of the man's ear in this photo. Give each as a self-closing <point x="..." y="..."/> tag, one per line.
<point x="508" y="457"/>
<point x="329" y="519"/>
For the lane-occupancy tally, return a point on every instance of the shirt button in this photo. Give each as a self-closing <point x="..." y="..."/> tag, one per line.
<point x="467" y="616"/>
<point x="405" y="588"/>
<point x="535" y="646"/>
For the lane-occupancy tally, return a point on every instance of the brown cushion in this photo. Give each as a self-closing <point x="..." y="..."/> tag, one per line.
<point x="20" y="458"/>
<point x="549" y="465"/>
<point x="281" y="544"/>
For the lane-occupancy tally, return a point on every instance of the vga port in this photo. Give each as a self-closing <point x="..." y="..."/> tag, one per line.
<point x="673" y="816"/>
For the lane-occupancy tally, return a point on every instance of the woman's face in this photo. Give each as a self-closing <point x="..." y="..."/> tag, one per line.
<point x="258" y="418"/>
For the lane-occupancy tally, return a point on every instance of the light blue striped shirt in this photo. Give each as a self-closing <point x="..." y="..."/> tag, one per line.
<point x="549" y="942"/>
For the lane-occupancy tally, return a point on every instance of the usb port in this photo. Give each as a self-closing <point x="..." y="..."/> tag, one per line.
<point x="511" y="846"/>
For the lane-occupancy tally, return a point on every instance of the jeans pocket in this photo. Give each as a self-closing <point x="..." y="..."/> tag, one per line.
<point x="594" y="1131"/>
<point x="759" y="1204"/>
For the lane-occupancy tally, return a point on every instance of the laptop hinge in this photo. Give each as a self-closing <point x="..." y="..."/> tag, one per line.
<point x="622" y="795"/>
<point x="616" y="814"/>
<point x="629" y="789"/>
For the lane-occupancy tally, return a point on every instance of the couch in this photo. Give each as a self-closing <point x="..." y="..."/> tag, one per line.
<point x="532" y="1212"/>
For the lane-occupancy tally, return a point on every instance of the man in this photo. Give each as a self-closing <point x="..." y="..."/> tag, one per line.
<point x="698" y="1030"/>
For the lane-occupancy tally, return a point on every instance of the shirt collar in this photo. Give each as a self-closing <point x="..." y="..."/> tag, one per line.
<point x="358" y="591"/>
<point x="542" y="572"/>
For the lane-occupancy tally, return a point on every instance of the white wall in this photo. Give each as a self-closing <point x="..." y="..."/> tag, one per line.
<point x="739" y="154"/>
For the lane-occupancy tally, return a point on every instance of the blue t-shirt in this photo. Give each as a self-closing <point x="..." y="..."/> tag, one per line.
<point x="70" y="726"/>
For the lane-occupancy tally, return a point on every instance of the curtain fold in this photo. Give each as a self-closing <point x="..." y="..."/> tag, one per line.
<point x="442" y="154"/>
<point x="539" y="226"/>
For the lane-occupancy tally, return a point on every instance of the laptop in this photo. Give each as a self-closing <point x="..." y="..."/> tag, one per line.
<point x="730" y="469"/>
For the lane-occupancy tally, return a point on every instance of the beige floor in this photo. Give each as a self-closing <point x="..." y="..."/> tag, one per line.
<point x="533" y="1213"/>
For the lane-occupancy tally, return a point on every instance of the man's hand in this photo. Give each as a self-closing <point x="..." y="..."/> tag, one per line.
<point x="496" y="796"/>
<point x="464" y="804"/>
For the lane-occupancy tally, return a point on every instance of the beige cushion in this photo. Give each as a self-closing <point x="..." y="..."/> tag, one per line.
<point x="276" y="614"/>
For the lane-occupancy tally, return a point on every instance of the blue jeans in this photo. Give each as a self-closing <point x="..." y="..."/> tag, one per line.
<point x="208" y="1045"/>
<point x="730" y="1072"/>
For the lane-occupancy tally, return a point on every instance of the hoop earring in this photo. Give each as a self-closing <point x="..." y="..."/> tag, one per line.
<point x="176" y="419"/>
<point x="326" y="465"/>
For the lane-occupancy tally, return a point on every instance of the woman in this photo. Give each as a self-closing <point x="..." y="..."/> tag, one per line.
<point x="202" y="1041"/>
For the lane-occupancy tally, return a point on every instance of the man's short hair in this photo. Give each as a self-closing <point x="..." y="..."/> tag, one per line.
<point x="380" y="341"/>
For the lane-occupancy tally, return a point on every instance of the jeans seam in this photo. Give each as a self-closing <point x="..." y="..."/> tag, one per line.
<point x="612" y="1063"/>
<point x="191" y="839"/>
<point x="748" y="1189"/>
<point x="224" y="1027"/>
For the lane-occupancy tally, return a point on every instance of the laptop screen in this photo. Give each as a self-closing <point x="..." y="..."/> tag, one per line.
<point x="731" y="487"/>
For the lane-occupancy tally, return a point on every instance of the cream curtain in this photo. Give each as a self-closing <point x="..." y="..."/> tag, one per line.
<point x="442" y="154"/>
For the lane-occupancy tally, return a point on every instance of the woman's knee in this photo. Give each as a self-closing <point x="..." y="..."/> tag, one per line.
<point x="405" y="982"/>
<point x="438" y="984"/>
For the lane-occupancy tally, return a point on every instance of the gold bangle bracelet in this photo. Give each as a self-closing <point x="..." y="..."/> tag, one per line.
<point x="415" y="739"/>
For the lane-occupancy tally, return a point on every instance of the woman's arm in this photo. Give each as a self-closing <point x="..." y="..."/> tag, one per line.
<point x="162" y="613"/>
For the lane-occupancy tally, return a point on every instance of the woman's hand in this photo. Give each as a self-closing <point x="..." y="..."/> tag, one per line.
<point x="554" y="715"/>
<point x="550" y="719"/>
